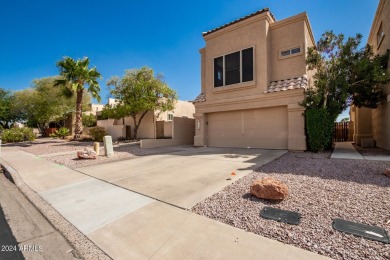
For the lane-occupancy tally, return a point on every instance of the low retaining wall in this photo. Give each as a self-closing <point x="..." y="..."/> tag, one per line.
<point x="153" y="143"/>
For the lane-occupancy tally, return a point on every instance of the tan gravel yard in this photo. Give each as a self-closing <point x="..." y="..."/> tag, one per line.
<point x="320" y="189"/>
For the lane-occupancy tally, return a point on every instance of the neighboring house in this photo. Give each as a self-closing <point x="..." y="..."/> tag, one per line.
<point x="96" y="109"/>
<point x="375" y="123"/>
<point x="155" y="124"/>
<point x="253" y="77"/>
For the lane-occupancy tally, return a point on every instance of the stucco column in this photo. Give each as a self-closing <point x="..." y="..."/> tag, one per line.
<point x="363" y="124"/>
<point x="200" y="129"/>
<point x="296" y="127"/>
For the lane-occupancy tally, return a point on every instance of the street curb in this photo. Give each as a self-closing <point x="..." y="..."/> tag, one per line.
<point x="84" y="246"/>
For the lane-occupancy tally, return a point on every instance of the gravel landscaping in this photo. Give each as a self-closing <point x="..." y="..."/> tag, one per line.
<point x="321" y="189"/>
<point x="65" y="152"/>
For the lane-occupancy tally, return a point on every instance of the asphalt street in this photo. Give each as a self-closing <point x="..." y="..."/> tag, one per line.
<point x="25" y="233"/>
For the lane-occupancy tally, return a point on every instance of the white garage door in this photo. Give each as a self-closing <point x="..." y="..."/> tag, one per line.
<point x="255" y="128"/>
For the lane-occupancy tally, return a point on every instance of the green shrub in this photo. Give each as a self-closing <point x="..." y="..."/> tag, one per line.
<point x="97" y="133"/>
<point x="15" y="135"/>
<point x="89" y="120"/>
<point x="319" y="129"/>
<point x="62" y="132"/>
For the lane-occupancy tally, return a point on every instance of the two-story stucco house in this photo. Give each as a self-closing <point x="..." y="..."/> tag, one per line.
<point x="253" y="77"/>
<point x="375" y="123"/>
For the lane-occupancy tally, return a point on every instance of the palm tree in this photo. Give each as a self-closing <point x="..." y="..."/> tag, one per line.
<point x="75" y="74"/>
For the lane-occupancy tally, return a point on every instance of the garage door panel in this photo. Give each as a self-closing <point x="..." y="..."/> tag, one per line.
<point x="257" y="128"/>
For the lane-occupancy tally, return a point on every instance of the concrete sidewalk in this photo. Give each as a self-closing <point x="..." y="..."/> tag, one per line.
<point x="129" y="225"/>
<point x="345" y="150"/>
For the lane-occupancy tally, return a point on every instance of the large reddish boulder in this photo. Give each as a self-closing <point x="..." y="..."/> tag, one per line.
<point x="269" y="188"/>
<point x="87" y="153"/>
<point x="387" y="173"/>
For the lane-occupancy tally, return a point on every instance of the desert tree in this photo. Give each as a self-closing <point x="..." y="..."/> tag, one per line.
<point x="138" y="92"/>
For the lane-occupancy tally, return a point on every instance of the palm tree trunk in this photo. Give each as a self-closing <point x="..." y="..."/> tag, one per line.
<point x="79" y="102"/>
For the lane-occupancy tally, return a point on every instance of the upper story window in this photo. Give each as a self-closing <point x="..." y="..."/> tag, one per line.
<point x="380" y="35"/>
<point x="170" y="116"/>
<point x="291" y="51"/>
<point x="233" y="68"/>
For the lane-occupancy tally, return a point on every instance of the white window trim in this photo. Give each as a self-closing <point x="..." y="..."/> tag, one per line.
<point x="246" y="83"/>
<point x="290" y="55"/>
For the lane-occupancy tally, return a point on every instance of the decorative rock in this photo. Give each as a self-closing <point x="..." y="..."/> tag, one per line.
<point x="269" y="188"/>
<point x="387" y="173"/>
<point x="87" y="153"/>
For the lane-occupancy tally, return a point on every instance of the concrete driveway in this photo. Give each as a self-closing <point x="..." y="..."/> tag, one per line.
<point x="185" y="177"/>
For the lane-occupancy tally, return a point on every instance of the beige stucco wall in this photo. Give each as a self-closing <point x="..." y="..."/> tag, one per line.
<point x="381" y="116"/>
<point x="182" y="109"/>
<point x="285" y="34"/>
<point x="105" y="123"/>
<point x="147" y="128"/>
<point x="363" y="124"/>
<point x="168" y="130"/>
<point x="280" y="110"/>
<point x="253" y="33"/>
<point x="116" y="131"/>
<point x="184" y="130"/>
<point x="183" y="134"/>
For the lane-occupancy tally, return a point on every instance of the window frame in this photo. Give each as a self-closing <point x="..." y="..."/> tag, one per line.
<point x="290" y="50"/>
<point x="241" y="69"/>
<point x="380" y="35"/>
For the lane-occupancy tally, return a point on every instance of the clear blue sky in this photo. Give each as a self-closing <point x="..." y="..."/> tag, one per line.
<point x="165" y="35"/>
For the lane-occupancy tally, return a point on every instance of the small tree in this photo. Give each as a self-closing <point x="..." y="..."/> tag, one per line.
<point x="138" y="92"/>
<point x="345" y="75"/>
<point x="43" y="103"/>
<point x="89" y="120"/>
<point x="75" y="74"/>
<point x="8" y="115"/>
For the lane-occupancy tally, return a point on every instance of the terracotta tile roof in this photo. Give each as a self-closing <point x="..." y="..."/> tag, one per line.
<point x="200" y="98"/>
<point x="274" y="86"/>
<point x="238" y="20"/>
<point x="283" y="85"/>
